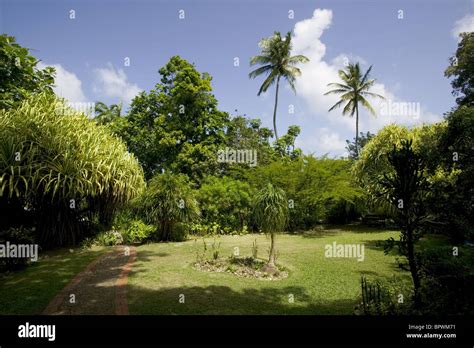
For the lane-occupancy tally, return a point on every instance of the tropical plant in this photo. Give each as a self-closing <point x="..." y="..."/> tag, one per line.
<point x="354" y="89"/>
<point x="138" y="232"/>
<point x="318" y="189"/>
<point x="19" y="73"/>
<point x="225" y="201"/>
<point x="406" y="189"/>
<point x="277" y="62"/>
<point x="105" y="114"/>
<point x="271" y="215"/>
<point x="169" y="202"/>
<point x="60" y="172"/>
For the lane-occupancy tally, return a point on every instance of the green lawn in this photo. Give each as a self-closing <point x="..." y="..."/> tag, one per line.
<point x="163" y="271"/>
<point x="29" y="291"/>
<point x="318" y="284"/>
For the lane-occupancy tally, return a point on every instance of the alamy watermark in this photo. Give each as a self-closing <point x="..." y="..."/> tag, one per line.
<point x="72" y="108"/>
<point x="21" y="251"/>
<point x="394" y="108"/>
<point x="244" y="156"/>
<point x="345" y="250"/>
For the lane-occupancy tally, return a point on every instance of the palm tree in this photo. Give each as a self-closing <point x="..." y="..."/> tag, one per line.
<point x="277" y="62"/>
<point x="271" y="215"/>
<point x="106" y="114"/>
<point x="354" y="90"/>
<point x="169" y="203"/>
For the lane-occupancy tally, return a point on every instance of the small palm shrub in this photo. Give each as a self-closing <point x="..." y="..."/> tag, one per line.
<point x="60" y="172"/>
<point x="271" y="214"/>
<point x="170" y="205"/>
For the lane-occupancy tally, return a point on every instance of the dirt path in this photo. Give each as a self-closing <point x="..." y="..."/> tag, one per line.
<point x="101" y="288"/>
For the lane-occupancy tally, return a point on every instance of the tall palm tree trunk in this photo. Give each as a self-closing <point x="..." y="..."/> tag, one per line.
<point x="357" y="130"/>
<point x="275" y="109"/>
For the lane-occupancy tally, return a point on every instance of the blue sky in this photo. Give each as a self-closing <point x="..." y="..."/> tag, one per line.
<point x="408" y="54"/>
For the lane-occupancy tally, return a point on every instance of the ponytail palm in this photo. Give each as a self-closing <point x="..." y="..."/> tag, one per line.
<point x="354" y="90"/>
<point x="271" y="214"/>
<point x="276" y="62"/>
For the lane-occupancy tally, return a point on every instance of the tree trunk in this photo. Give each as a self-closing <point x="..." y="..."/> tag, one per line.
<point x="413" y="268"/>
<point x="275" y="109"/>
<point x="271" y="259"/>
<point x="357" y="131"/>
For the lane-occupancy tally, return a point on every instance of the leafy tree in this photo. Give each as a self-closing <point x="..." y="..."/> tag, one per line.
<point x="317" y="189"/>
<point x="244" y="133"/>
<point x="226" y="201"/>
<point x="169" y="203"/>
<point x="277" y="62"/>
<point x="19" y="75"/>
<point x="353" y="90"/>
<point x="285" y="146"/>
<point x="373" y="161"/>
<point x="352" y="146"/>
<point x="462" y="69"/>
<point x="105" y="114"/>
<point x="59" y="171"/>
<point x="175" y="126"/>
<point x="271" y="215"/>
<point x="406" y="189"/>
<point x="454" y="199"/>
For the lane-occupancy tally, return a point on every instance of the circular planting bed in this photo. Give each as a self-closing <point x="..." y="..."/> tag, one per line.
<point x="246" y="267"/>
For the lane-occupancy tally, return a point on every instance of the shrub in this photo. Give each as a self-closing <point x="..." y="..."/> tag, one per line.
<point x="382" y="297"/>
<point x="447" y="281"/>
<point x="138" y="232"/>
<point x="179" y="232"/>
<point x="226" y="202"/>
<point x="60" y="171"/>
<point x="168" y="201"/>
<point x="315" y="188"/>
<point x="109" y="238"/>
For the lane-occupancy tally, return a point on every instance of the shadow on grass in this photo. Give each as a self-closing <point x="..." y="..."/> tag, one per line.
<point x="223" y="300"/>
<point x="30" y="290"/>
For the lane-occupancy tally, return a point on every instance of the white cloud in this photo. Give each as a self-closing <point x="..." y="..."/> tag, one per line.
<point x="465" y="24"/>
<point x="113" y="83"/>
<point x="325" y="141"/>
<point x="67" y="84"/>
<point x="318" y="73"/>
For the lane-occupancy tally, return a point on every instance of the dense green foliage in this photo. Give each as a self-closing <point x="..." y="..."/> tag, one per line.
<point x="60" y="172"/>
<point x="406" y="189"/>
<point x="19" y="75"/>
<point x="176" y="125"/>
<point x="169" y="203"/>
<point x="462" y="69"/>
<point x="225" y="201"/>
<point x="318" y="190"/>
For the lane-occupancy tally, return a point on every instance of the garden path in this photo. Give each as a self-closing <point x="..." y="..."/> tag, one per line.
<point x="101" y="288"/>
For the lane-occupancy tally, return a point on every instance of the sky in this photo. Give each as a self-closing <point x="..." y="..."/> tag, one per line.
<point x="110" y="51"/>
